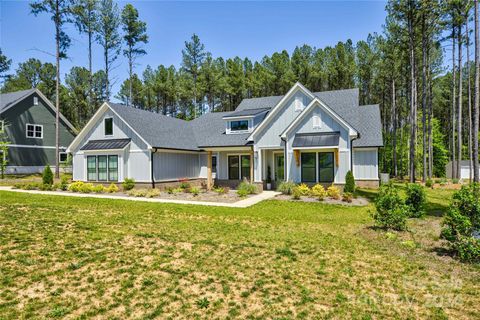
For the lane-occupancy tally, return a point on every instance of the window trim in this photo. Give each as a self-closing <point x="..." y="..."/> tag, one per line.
<point x="315" y="167"/>
<point x="318" y="119"/>
<point x="35" y="101"/>
<point x="60" y="157"/>
<point x="241" y="130"/>
<point x="35" y="127"/>
<point x="105" y="127"/>
<point x="333" y="166"/>
<point x="108" y="156"/>
<point x="239" y="156"/>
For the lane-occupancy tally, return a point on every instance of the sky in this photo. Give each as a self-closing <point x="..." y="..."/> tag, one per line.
<point x="227" y="28"/>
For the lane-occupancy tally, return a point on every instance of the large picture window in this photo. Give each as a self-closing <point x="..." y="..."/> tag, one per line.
<point x="239" y="125"/>
<point x="308" y="166"/>
<point x="233" y="167"/>
<point x="102" y="168"/>
<point x="325" y="167"/>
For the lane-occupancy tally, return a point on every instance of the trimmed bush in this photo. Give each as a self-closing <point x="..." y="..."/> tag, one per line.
<point x="221" y="190"/>
<point x="112" y="188"/>
<point x="64" y="183"/>
<point x="86" y="188"/>
<point x="318" y="191"/>
<point x="46" y="187"/>
<point x="185" y="185"/>
<point x="391" y="211"/>
<point x="98" y="188"/>
<point x="47" y="176"/>
<point x="152" y="193"/>
<point x="75" y="186"/>
<point x="349" y="183"/>
<point x="286" y="187"/>
<point x="333" y="192"/>
<point x="416" y="200"/>
<point x="242" y="193"/>
<point x="195" y="191"/>
<point x="137" y="192"/>
<point x="128" y="184"/>
<point x="347" y="197"/>
<point x="247" y="188"/>
<point x="303" y="189"/>
<point x="296" y="193"/>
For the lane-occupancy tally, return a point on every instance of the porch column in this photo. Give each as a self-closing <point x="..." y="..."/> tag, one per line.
<point x="251" y="166"/>
<point x="209" y="170"/>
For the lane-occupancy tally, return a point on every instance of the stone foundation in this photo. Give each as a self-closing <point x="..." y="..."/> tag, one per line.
<point x="367" y="183"/>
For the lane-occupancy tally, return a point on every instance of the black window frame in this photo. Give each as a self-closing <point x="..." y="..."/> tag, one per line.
<point x="230" y="176"/>
<point x="108" y="168"/>
<point x="302" y="166"/>
<point x="60" y="154"/>
<point x="332" y="167"/>
<point x="214" y="164"/>
<point x="110" y="126"/>
<point x="238" y="128"/>
<point x="247" y="168"/>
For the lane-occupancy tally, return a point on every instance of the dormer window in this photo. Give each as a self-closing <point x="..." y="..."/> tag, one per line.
<point x="108" y="123"/>
<point x="239" y="125"/>
<point x="298" y="104"/>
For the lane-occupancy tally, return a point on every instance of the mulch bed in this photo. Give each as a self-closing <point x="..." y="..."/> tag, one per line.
<point x="359" y="201"/>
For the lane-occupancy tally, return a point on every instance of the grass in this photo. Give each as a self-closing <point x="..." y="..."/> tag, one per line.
<point x="81" y="258"/>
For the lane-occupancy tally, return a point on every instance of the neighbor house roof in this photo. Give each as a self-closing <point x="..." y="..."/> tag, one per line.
<point x="9" y="99"/>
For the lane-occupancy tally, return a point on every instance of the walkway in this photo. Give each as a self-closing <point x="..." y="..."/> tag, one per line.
<point x="245" y="203"/>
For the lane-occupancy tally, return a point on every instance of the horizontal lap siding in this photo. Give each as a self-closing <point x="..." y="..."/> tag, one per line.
<point x="174" y="166"/>
<point x="365" y="164"/>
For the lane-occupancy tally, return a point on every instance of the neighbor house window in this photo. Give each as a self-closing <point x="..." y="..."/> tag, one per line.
<point x="102" y="168"/>
<point x="35" y="101"/>
<point x="34" y="131"/>
<point x="308" y="166"/>
<point x="317" y="124"/>
<point x="62" y="157"/>
<point x="240" y="125"/>
<point x="233" y="168"/>
<point x="108" y="126"/>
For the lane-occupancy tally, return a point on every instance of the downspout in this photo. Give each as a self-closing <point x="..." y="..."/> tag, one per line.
<point x="351" y="152"/>
<point x="151" y="166"/>
<point x="285" y="159"/>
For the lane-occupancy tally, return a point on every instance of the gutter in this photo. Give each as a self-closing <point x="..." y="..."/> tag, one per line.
<point x="351" y="152"/>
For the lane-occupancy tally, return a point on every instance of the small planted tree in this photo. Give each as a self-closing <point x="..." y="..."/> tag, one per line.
<point x="391" y="211"/>
<point x="47" y="176"/>
<point x="349" y="182"/>
<point x="416" y="200"/>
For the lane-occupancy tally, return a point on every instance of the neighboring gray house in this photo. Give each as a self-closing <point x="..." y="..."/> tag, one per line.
<point x="28" y="119"/>
<point x="301" y="136"/>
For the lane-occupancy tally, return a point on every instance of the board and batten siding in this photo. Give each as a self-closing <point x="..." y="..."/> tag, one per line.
<point x="168" y="166"/>
<point x="365" y="163"/>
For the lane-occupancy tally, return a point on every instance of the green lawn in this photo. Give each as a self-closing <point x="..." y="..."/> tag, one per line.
<point x="78" y="257"/>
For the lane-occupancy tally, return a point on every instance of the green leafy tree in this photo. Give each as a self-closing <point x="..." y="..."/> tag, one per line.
<point x="4" y="64"/>
<point x="134" y="36"/>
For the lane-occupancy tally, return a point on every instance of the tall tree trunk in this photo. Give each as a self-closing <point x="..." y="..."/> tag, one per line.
<point x="90" y="74"/>
<point x="459" y="120"/>
<point x="454" y="85"/>
<point x="424" y="98"/>
<point x="476" y="98"/>
<point x="394" y="125"/>
<point x="413" y="113"/>
<point x="107" y="67"/>
<point x="467" y="41"/>
<point x="57" y="89"/>
<point x="130" y="73"/>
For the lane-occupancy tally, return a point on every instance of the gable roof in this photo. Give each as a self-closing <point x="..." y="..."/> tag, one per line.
<point x="9" y="100"/>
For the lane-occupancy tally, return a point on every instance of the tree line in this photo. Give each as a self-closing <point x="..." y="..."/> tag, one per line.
<point x="419" y="70"/>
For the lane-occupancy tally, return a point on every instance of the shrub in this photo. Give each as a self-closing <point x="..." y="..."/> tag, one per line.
<point x="391" y="212"/>
<point x="468" y="249"/>
<point x="128" y="184"/>
<point x="220" y="190"/>
<point x="153" y="193"/>
<point x="455" y="181"/>
<point x="64" y="183"/>
<point x="56" y="186"/>
<point x="286" y="187"/>
<point x="318" y="191"/>
<point x="46" y="187"/>
<point x="47" y="176"/>
<point x="296" y="193"/>
<point x="242" y="193"/>
<point x="98" y="188"/>
<point x="429" y="183"/>
<point x="333" y="192"/>
<point x="185" y="185"/>
<point x="112" y="188"/>
<point x="195" y="191"/>
<point x="75" y="186"/>
<point x="247" y="188"/>
<point x="86" y="188"/>
<point x="174" y="190"/>
<point x="347" y="197"/>
<point x="349" y="183"/>
<point x="416" y="199"/>
<point x="303" y="189"/>
<point x="138" y="192"/>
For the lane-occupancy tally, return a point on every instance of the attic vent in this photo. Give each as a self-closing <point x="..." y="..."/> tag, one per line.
<point x="298" y="104"/>
<point x="35" y="101"/>
<point x="317" y="123"/>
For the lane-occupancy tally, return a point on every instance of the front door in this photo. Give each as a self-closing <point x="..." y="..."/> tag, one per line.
<point x="279" y="167"/>
<point x="325" y="167"/>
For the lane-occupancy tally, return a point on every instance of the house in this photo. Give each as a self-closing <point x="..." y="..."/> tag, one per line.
<point x="27" y="119"/>
<point x="301" y="136"/>
<point x="465" y="166"/>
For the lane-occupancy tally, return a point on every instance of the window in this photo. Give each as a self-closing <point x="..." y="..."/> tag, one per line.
<point x="233" y="167"/>
<point x="91" y="168"/>
<point x="34" y="131"/>
<point x="308" y="166"/>
<point x="245" y="160"/>
<point x="62" y="157"/>
<point x="317" y="123"/>
<point x="298" y="104"/>
<point x="102" y="168"/>
<point x="279" y="167"/>
<point x="240" y="125"/>
<point x="35" y="101"/>
<point x="214" y="164"/>
<point x="108" y="122"/>
<point x="325" y="167"/>
<point x="112" y="168"/>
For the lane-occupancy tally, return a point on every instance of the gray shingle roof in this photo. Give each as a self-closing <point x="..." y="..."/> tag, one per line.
<point x="107" y="144"/>
<point x="158" y="130"/>
<point x="7" y="99"/>
<point x="321" y="139"/>
<point x="247" y="112"/>
<point x="258" y="103"/>
<point x="370" y="127"/>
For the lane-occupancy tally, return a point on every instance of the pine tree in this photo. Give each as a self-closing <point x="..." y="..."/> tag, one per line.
<point x="192" y="61"/>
